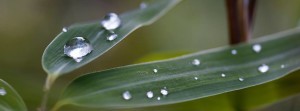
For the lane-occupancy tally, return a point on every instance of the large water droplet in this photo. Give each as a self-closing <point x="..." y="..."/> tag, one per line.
<point x="223" y="75"/>
<point x="2" y="91"/>
<point x="234" y="52"/>
<point x="196" y="62"/>
<point x="77" y="48"/>
<point x="143" y="5"/>
<point x="263" y="68"/>
<point x="65" y="29"/>
<point x="256" y="48"/>
<point x="241" y="79"/>
<point x="126" y="95"/>
<point x="111" y="21"/>
<point x="111" y="36"/>
<point x="164" y="92"/>
<point x="150" y="94"/>
<point x="155" y="70"/>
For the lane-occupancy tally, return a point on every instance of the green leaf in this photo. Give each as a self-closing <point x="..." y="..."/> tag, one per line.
<point x="56" y="63"/>
<point x="104" y="89"/>
<point x="288" y="104"/>
<point x="10" y="100"/>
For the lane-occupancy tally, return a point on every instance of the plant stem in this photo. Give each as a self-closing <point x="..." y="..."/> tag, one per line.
<point x="240" y="22"/>
<point x="240" y="19"/>
<point x="49" y="81"/>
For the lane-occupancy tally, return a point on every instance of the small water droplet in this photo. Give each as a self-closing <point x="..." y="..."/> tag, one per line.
<point x="263" y="68"/>
<point x="196" y="78"/>
<point x="241" y="79"/>
<point x="196" y="62"/>
<point x="158" y="98"/>
<point x="65" y="29"/>
<point x="126" y="95"/>
<point x="155" y="70"/>
<point x="111" y="21"/>
<point x="234" y="52"/>
<point x="77" y="48"/>
<point x="143" y="5"/>
<point x="111" y="36"/>
<point x="256" y="48"/>
<point x="282" y="66"/>
<point x="2" y="92"/>
<point x="150" y="94"/>
<point x="164" y="92"/>
<point x="223" y="75"/>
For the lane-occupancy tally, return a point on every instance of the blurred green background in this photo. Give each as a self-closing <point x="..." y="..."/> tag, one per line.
<point x="28" y="26"/>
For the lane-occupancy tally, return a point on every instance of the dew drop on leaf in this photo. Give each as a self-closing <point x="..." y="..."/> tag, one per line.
<point x="155" y="70"/>
<point x="143" y="5"/>
<point x="158" y="98"/>
<point x="256" y="48"/>
<point x="196" y="62"/>
<point x="241" y="79"/>
<point x="65" y="29"/>
<point x="223" y="75"/>
<point x="111" y="36"/>
<point x="111" y="21"/>
<point x="282" y="66"/>
<point x="77" y="48"/>
<point x="126" y="95"/>
<point x="263" y="68"/>
<point x="2" y="92"/>
<point x="150" y="94"/>
<point x="233" y="52"/>
<point x="196" y="78"/>
<point x="164" y="92"/>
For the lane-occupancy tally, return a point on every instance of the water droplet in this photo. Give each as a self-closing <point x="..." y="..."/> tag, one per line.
<point x="77" y="48"/>
<point x="196" y="78"/>
<point x="263" y="68"/>
<point x="150" y="94"/>
<point x="241" y="79"/>
<point x="143" y="5"/>
<point x="223" y="75"/>
<point x="196" y="62"/>
<point x="158" y="98"/>
<point x="65" y="29"/>
<point x="282" y="66"/>
<point x="164" y="92"/>
<point x="127" y="95"/>
<point x="111" y="21"/>
<point x="256" y="48"/>
<point x="111" y="36"/>
<point x="234" y="52"/>
<point x="2" y="91"/>
<point x="155" y="70"/>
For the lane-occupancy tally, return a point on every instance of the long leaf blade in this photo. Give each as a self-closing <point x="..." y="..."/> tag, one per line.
<point x="55" y="62"/>
<point x="10" y="99"/>
<point x="280" y="52"/>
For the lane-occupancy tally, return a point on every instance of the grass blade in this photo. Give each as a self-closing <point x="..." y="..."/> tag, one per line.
<point x="10" y="100"/>
<point x="288" y="104"/>
<point x="55" y="62"/>
<point x="185" y="81"/>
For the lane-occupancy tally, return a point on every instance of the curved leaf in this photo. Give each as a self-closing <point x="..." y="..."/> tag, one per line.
<point x="55" y="62"/>
<point x="185" y="81"/>
<point x="10" y="99"/>
<point x="288" y="104"/>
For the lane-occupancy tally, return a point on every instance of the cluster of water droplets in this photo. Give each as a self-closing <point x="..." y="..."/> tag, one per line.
<point x="78" y="47"/>
<point x="150" y="94"/>
<point x="2" y="92"/>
